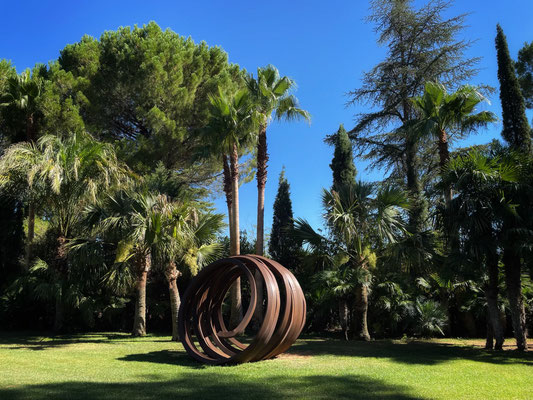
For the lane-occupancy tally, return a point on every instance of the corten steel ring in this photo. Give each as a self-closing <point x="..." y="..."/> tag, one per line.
<point x="201" y="326"/>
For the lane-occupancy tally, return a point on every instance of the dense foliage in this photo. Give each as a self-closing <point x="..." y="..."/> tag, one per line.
<point x="104" y="230"/>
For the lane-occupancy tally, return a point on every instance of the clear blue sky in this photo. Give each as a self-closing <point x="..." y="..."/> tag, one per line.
<point x="324" y="45"/>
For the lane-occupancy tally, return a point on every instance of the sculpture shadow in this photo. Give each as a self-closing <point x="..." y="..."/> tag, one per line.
<point x="165" y="357"/>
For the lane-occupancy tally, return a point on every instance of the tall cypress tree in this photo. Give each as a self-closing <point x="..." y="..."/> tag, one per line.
<point x="342" y="164"/>
<point x="516" y="129"/>
<point x="283" y="247"/>
<point x="516" y="133"/>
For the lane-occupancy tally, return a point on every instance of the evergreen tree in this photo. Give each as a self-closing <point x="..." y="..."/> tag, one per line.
<point x="342" y="164"/>
<point x="422" y="45"/>
<point x="283" y="247"/>
<point x="516" y="129"/>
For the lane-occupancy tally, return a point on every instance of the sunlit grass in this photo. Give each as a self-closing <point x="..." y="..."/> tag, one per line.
<point x="116" y="366"/>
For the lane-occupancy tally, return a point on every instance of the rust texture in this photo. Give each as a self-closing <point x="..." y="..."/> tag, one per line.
<point x="201" y="326"/>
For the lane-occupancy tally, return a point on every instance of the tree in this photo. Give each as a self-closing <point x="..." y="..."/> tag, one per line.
<point x="19" y="101"/>
<point x="524" y="70"/>
<point x="342" y="165"/>
<point x="422" y="46"/>
<point x="271" y="94"/>
<point x="477" y="211"/>
<point x="230" y="131"/>
<point x="283" y="246"/>
<point x="516" y="130"/>
<point x="147" y="90"/>
<point x="65" y="175"/>
<point x="360" y="218"/>
<point x="444" y="114"/>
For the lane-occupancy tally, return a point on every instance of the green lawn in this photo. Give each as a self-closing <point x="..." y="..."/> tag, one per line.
<point x="116" y="366"/>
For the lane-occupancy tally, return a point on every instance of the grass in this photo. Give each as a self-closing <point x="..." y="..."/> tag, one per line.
<point x="116" y="366"/>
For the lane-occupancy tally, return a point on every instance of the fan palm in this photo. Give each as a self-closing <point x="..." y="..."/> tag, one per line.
<point x="65" y="175"/>
<point x="360" y="219"/>
<point x="20" y="99"/>
<point x="442" y="113"/>
<point x="478" y="211"/>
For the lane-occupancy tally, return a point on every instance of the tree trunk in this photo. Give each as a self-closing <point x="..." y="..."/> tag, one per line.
<point x="143" y="266"/>
<point x="444" y="157"/>
<point x="361" y="313"/>
<point x="61" y="270"/>
<point x="172" y="275"/>
<point x="343" y="316"/>
<point x="228" y="191"/>
<point x="31" y="234"/>
<point x="491" y="294"/>
<point x="235" y="246"/>
<point x="417" y="211"/>
<point x="489" y="342"/>
<point x="262" y="159"/>
<point x="512" y="265"/>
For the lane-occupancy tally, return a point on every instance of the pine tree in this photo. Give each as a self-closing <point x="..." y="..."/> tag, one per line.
<point x="516" y="129"/>
<point x="283" y="247"/>
<point x="342" y="165"/>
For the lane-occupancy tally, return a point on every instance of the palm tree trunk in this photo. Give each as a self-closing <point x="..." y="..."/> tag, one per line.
<point x="491" y="294"/>
<point x="489" y="342"/>
<point x="235" y="246"/>
<point x="262" y="159"/>
<point x="172" y="275"/>
<point x="444" y="157"/>
<point x="361" y="313"/>
<point x="343" y="316"/>
<point x="139" y="322"/>
<point x="512" y="265"/>
<point x="61" y="271"/>
<point x="31" y="234"/>
<point x="228" y="191"/>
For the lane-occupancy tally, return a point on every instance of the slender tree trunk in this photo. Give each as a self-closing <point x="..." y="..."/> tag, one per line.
<point x="235" y="248"/>
<point x="489" y="342"/>
<point x="62" y="275"/>
<point x="172" y="275"/>
<point x="262" y="159"/>
<point x="228" y="191"/>
<point x="491" y="294"/>
<point x="512" y="265"/>
<point x="31" y="234"/>
<point x="30" y="137"/>
<point x="343" y="316"/>
<point x="361" y="313"/>
<point x="139" y="323"/>
<point x="417" y="211"/>
<point x="444" y="157"/>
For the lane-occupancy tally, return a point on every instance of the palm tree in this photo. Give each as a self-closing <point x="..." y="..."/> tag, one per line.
<point x="442" y="114"/>
<point x="271" y="95"/>
<point x="135" y="220"/>
<point x="230" y="131"/>
<point x="190" y="243"/>
<point x="70" y="173"/>
<point x="360" y="218"/>
<point x="478" y="211"/>
<point x="20" y="99"/>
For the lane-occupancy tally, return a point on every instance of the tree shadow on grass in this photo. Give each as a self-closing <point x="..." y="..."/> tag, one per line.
<point x="212" y="385"/>
<point x="33" y="342"/>
<point x="414" y="352"/>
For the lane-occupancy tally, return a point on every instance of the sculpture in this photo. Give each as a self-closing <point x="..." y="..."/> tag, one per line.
<point x="200" y="317"/>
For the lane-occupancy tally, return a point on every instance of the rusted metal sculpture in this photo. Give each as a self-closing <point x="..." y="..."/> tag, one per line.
<point x="201" y="325"/>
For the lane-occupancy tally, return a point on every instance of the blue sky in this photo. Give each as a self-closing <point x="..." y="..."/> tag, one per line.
<point x="325" y="46"/>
